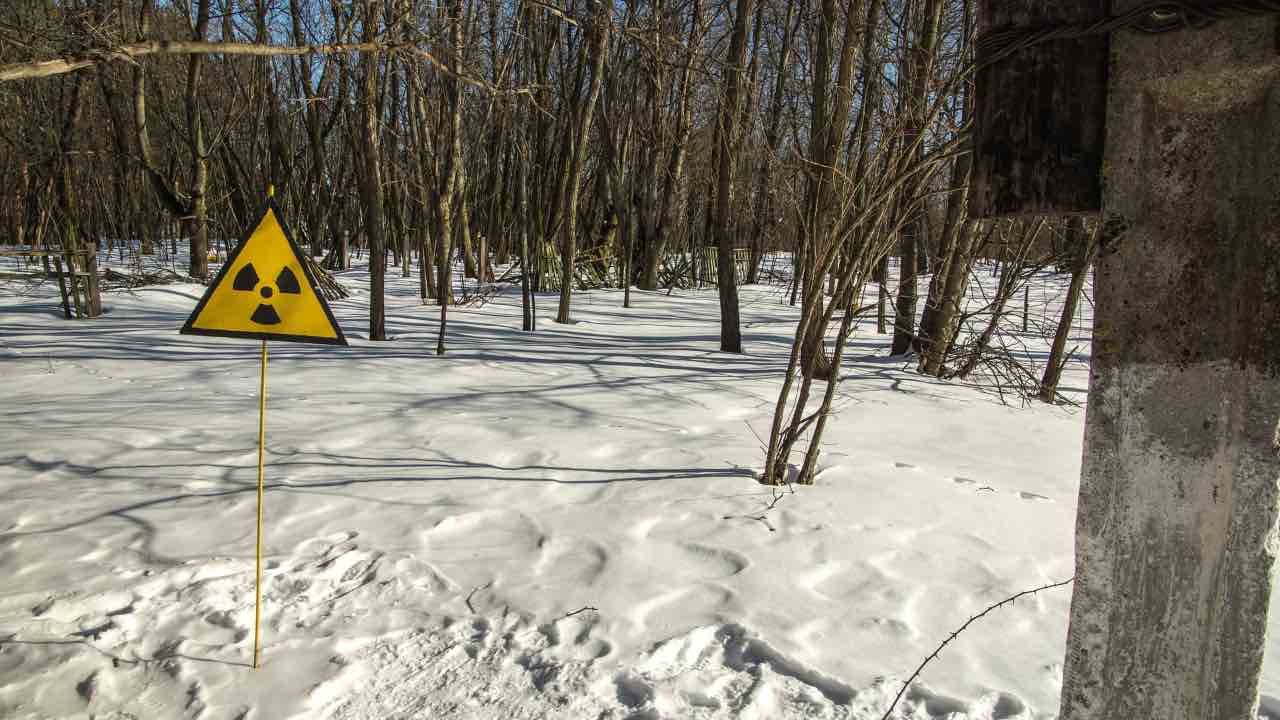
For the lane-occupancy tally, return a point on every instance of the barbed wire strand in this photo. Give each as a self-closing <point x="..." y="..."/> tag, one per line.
<point x="1151" y="18"/>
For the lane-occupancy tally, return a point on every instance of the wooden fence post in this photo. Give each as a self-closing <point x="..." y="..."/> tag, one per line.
<point x="62" y="285"/>
<point x="93" y="295"/>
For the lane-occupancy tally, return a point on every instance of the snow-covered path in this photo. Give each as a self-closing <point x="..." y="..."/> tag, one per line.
<point x="556" y="525"/>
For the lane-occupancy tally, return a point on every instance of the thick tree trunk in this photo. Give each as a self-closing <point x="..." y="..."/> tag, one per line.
<point x="1176" y="531"/>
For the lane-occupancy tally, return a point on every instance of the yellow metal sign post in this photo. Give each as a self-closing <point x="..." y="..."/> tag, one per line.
<point x="257" y="550"/>
<point x="266" y="291"/>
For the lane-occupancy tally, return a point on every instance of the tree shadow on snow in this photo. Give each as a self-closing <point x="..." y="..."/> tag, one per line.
<point x="118" y="660"/>
<point x="335" y="472"/>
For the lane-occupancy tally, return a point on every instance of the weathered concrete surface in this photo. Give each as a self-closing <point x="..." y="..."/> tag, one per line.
<point x="1176" y="531"/>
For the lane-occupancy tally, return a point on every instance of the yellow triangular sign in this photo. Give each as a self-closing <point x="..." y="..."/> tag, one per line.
<point x="266" y="291"/>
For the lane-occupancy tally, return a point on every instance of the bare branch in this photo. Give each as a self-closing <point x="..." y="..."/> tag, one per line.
<point x="129" y="52"/>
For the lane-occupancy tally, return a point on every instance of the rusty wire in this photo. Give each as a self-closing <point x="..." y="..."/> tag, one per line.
<point x="1155" y="17"/>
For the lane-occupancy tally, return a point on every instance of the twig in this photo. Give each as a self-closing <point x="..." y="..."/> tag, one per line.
<point x="778" y="496"/>
<point x="582" y="609"/>
<point x="953" y="635"/>
<point x="763" y="445"/>
<point x="763" y="516"/>
<point x="473" y="592"/>
<point x="759" y="518"/>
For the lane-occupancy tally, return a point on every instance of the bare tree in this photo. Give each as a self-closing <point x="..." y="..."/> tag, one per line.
<point x="371" y="175"/>
<point x="727" y="146"/>
<point x="592" y="50"/>
<point x="1082" y="247"/>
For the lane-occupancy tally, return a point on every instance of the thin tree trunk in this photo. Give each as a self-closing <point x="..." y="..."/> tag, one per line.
<point x="529" y="320"/>
<point x="1007" y="286"/>
<point x="954" y="285"/>
<point x="905" y="306"/>
<point x="453" y="158"/>
<point x="370" y="180"/>
<point x="426" y="221"/>
<point x="66" y="193"/>
<point x="197" y="225"/>
<point x="920" y="55"/>
<point x="1084" y="250"/>
<point x="595" y="55"/>
<point x="763" y="218"/>
<point x="464" y="227"/>
<point x="882" y="300"/>
<point x="727" y="142"/>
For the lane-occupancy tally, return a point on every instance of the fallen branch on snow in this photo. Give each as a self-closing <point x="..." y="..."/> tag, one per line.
<point x="473" y="592"/>
<point x="582" y="609"/>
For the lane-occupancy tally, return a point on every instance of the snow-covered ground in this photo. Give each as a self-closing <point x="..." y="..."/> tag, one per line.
<point x="550" y="525"/>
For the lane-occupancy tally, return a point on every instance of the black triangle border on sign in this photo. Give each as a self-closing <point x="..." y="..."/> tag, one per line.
<point x="268" y="206"/>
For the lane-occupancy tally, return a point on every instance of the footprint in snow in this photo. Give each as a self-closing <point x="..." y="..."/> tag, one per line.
<point x="604" y="451"/>
<point x="708" y="562"/>
<point x="641" y="529"/>
<point x="570" y="561"/>
<point x="703" y="601"/>
<point x="987" y="488"/>
<point x="570" y="639"/>
<point x="890" y="626"/>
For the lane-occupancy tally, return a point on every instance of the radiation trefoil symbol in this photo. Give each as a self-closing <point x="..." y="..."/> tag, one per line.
<point x="247" y="280"/>
<point x="265" y="290"/>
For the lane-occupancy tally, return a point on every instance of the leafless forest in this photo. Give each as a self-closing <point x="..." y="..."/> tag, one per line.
<point x="573" y="145"/>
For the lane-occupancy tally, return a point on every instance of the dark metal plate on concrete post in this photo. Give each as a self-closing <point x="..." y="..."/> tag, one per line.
<point x="1040" y="115"/>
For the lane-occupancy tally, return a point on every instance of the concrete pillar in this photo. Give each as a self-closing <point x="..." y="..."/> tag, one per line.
<point x="1176" y="527"/>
